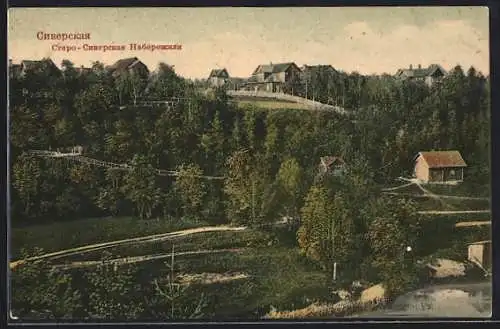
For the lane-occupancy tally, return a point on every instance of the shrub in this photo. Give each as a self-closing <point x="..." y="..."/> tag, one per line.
<point x="38" y="289"/>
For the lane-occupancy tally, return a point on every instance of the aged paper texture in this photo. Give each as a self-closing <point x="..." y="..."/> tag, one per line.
<point x="245" y="164"/>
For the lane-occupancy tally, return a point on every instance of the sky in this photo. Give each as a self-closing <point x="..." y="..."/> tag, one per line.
<point x="366" y="40"/>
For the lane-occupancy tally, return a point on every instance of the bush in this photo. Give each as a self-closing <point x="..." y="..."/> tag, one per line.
<point x="37" y="289"/>
<point x="112" y="292"/>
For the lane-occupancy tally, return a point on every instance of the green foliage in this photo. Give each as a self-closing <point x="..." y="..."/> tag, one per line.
<point x="389" y="236"/>
<point x="113" y="292"/>
<point x="328" y="232"/>
<point x="140" y="186"/>
<point x="342" y="219"/>
<point x="190" y="189"/>
<point x="38" y="290"/>
<point x="290" y="179"/>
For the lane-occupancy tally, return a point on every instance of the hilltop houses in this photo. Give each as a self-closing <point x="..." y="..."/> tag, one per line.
<point x="218" y="77"/>
<point x="273" y="77"/>
<point x="131" y="65"/>
<point x="315" y="69"/>
<point x="43" y="65"/>
<point x="430" y="75"/>
<point x="445" y="167"/>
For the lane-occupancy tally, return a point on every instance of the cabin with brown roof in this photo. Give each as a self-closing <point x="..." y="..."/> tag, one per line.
<point x="332" y="164"/>
<point x="131" y="65"/>
<point x="445" y="167"/>
<point x="36" y="66"/>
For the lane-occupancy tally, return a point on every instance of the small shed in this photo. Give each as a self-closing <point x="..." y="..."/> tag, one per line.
<point x="439" y="167"/>
<point x="332" y="164"/>
<point x="480" y="253"/>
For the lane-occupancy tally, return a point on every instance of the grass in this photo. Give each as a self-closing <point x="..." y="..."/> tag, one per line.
<point x="271" y="104"/>
<point x="198" y="241"/>
<point x="64" y="235"/>
<point x="278" y="275"/>
<point x="469" y="189"/>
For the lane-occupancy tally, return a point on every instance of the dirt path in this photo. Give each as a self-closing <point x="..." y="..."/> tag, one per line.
<point x="137" y="259"/>
<point x="445" y="212"/>
<point x="437" y="195"/>
<point x="143" y="239"/>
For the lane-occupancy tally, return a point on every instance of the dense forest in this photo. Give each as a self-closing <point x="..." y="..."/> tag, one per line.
<point x="267" y="159"/>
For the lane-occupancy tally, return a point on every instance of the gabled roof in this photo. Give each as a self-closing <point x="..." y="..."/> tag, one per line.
<point x="328" y="161"/>
<point x="272" y="78"/>
<point x="124" y="64"/>
<point x="317" y="68"/>
<point x="273" y="68"/>
<point x="31" y="64"/>
<point x="443" y="159"/>
<point x="219" y="73"/>
<point x="421" y="72"/>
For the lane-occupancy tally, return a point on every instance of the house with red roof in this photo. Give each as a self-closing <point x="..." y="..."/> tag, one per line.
<point x="439" y="167"/>
<point x="332" y="164"/>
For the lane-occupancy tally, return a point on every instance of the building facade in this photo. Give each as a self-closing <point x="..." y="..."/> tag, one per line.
<point x="273" y="77"/>
<point x="218" y="78"/>
<point x="439" y="167"/>
<point x="129" y="65"/>
<point x="429" y="75"/>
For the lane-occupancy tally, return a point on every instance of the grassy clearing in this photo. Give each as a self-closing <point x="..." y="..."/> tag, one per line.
<point x="464" y="190"/>
<point x="198" y="241"/>
<point x="468" y="189"/>
<point x="270" y="104"/>
<point x="64" y="235"/>
<point x="278" y="275"/>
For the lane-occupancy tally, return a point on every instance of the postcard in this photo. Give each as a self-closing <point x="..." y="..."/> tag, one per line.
<point x="248" y="164"/>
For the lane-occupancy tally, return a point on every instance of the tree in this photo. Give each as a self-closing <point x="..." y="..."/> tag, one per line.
<point x="250" y="194"/>
<point x="140" y="186"/>
<point x="26" y="181"/>
<point x="213" y="144"/>
<point x="191" y="188"/>
<point x="394" y="226"/>
<point x="290" y="181"/>
<point x="327" y="231"/>
<point x="165" y="83"/>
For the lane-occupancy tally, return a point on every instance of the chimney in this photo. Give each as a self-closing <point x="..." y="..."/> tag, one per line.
<point x="411" y="67"/>
<point x="419" y="66"/>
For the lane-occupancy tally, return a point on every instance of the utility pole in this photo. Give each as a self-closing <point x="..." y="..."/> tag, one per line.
<point x="333" y="250"/>
<point x="253" y="200"/>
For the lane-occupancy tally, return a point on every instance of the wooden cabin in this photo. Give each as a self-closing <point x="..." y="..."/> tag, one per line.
<point x="333" y="165"/>
<point x="439" y="167"/>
